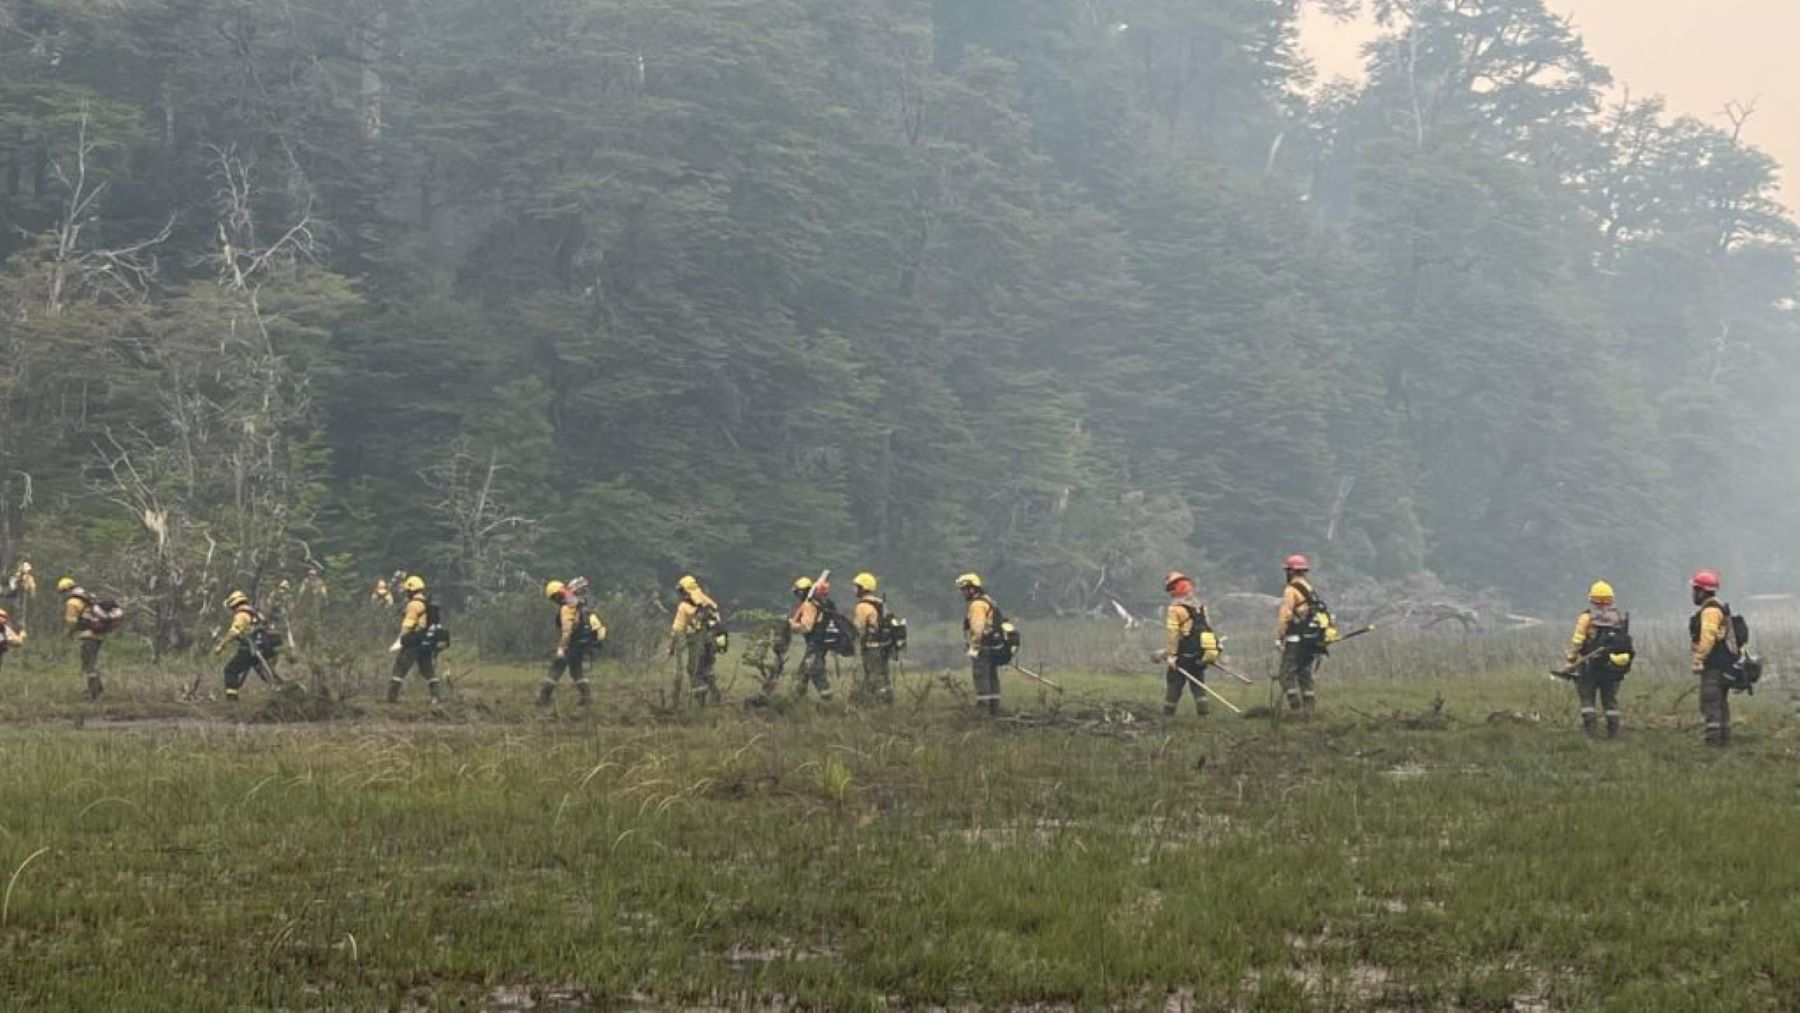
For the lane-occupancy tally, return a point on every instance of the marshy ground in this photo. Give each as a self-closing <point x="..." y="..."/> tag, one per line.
<point x="1426" y="843"/>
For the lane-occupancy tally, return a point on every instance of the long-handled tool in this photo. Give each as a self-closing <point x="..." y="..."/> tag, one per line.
<point x="1243" y="679"/>
<point x="1568" y="673"/>
<point x="1353" y="634"/>
<point x="1209" y="691"/>
<point x="1034" y="677"/>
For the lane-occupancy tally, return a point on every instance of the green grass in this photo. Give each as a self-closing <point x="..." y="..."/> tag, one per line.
<point x="1088" y="853"/>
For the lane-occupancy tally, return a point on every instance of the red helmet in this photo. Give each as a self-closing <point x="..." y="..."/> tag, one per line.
<point x="1706" y="580"/>
<point x="1298" y="562"/>
<point x="1175" y="577"/>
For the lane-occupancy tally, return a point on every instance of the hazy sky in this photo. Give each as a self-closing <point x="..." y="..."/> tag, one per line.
<point x="1699" y="54"/>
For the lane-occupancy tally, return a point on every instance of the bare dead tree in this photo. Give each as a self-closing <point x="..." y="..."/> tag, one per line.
<point x="488" y="533"/>
<point x="123" y="272"/>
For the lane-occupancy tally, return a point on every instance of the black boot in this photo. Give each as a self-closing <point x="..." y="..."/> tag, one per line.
<point x="1612" y="726"/>
<point x="393" y="693"/>
<point x="94" y="688"/>
<point x="1168" y="710"/>
<point x="585" y="693"/>
<point x="436" y="688"/>
<point x="546" y="693"/>
<point x="1587" y="725"/>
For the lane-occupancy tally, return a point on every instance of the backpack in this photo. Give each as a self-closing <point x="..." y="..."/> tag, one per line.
<point x="1318" y="629"/>
<point x="890" y="630"/>
<point x="1200" y="644"/>
<point x="101" y="617"/>
<point x="1002" y="641"/>
<point x="260" y="638"/>
<point x="437" y="635"/>
<point x="831" y="632"/>
<point x="1729" y="652"/>
<point x="1745" y="669"/>
<point x="1608" y="641"/>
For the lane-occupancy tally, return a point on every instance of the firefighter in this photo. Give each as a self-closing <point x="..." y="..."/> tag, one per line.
<point x="1599" y="655"/>
<point x="870" y="622"/>
<point x="1303" y="632"/>
<point x="813" y="620"/>
<point x="979" y="627"/>
<point x="10" y="636"/>
<point x="255" y="645"/>
<point x="22" y="585"/>
<point x="84" y="621"/>
<point x="579" y="634"/>
<point x="314" y="585"/>
<point x="695" y="629"/>
<point x="414" y="647"/>
<point x="1189" y="645"/>
<point x="1710" y="630"/>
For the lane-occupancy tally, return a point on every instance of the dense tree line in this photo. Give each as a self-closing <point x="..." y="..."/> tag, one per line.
<point x="1066" y="291"/>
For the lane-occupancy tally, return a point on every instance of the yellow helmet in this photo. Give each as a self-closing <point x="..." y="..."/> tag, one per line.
<point x="803" y="584"/>
<point x="865" y="581"/>
<point x="236" y="598"/>
<point x="969" y="580"/>
<point x="414" y="583"/>
<point x="1601" y="591"/>
<point x="554" y="589"/>
<point x="688" y="583"/>
<point x="66" y="584"/>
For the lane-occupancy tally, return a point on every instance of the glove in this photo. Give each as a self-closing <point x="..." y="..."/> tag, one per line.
<point x="395" y="648"/>
<point x="561" y="654"/>
<point x="973" y="653"/>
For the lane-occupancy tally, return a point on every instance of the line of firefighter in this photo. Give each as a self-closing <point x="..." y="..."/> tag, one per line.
<point x="1599" y="655"/>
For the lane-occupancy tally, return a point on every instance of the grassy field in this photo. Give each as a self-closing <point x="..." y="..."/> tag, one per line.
<point x="1428" y="843"/>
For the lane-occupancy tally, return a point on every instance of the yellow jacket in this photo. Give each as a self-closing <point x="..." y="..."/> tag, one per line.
<point x="1712" y="631"/>
<point x="805" y="617"/>
<point x="568" y="620"/>
<point x="1296" y="608"/>
<point x="74" y="607"/>
<point x="867" y="615"/>
<point x="242" y="619"/>
<point x="687" y="613"/>
<point x="979" y="617"/>
<point x="1178" y="622"/>
<point x="413" y="619"/>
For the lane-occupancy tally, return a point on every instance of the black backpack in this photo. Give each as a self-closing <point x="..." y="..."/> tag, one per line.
<point x="437" y="635"/>
<point x="1191" y="647"/>
<point x="1002" y="641"/>
<point x="831" y="631"/>
<point x="1605" y="641"/>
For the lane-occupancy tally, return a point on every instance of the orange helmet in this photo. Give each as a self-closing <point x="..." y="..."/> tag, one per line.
<point x="1298" y="564"/>
<point x="1706" y="580"/>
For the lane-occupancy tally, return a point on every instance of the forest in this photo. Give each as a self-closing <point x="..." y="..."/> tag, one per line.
<point x="1069" y="292"/>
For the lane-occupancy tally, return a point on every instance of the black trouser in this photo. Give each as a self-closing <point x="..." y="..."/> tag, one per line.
<point x="812" y="671"/>
<point x="986" y="673"/>
<point x="1298" y="660"/>
<point x="90" y="666"/>
<point x="877" y="679"/>
<point x="242" y="663"/>
<point x="1598" y="681"/>
<point x="702" y="653"/>
<point x="573" y="661"/>
<point x="414" y="653"/>
<point x="90" y="657"/>
<point x="1178" y="682"/>
<point x="1715" y="706"/>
